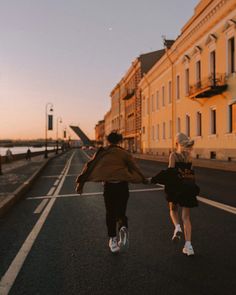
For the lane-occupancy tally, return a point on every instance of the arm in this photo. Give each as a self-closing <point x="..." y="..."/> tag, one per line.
<point x="132" y="166"/>
<point x="172" y="160"/>
<point x="86" y="171"/>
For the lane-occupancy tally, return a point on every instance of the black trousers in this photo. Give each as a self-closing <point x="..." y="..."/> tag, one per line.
<point x="116" y="196"/>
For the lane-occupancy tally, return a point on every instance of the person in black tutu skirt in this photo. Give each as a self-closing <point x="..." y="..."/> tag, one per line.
<point x="180" y="188"/>
<point x="181" y="160"/>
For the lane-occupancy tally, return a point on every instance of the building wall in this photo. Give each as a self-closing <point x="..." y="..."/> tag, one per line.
<point x="100" y="132"/>
<point x="107" y="126"/>
<point x="208" y="30"/>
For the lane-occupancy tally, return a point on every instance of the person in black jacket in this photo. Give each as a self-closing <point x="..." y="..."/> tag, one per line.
<point x="180" y="189"/>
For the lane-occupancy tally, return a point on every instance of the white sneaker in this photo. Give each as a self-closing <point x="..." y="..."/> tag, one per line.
<point x="188" y="250"/>
<point x="177" y="234"/>
<point x="123" y="237"/>
<point x="113" y="245"/>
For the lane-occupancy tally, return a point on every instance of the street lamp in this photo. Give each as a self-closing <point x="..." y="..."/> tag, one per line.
<point x="59" y="120"/>
<point x="0" y="165"/>
<point x="48" y="126"/>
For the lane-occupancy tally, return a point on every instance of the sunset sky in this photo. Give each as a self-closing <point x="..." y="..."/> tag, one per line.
<point x="72" y="53"/>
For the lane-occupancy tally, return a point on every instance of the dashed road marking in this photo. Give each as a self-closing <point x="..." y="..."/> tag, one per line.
<point x="92" y="194"/>
<point x="41" y="206"/>
<point x="9" y="277"/>
<point x="215" y="204"/>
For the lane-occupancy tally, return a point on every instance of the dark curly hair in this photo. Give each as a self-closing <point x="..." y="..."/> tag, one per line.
<point x="114" y="137"/>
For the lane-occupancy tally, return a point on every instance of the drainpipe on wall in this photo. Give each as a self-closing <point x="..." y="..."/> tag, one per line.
<point x="119" y="106"/>
<point x="173" y="109"/>
<point x="149" y="116"/>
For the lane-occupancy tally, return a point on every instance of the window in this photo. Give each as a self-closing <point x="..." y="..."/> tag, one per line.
<point x="158" y="132"/>
<point x="232" y="118"/>
<point x="170" y="91"/>
<point x="199" y="124"/>
<point x="157" y="100"/>
<point x="198" y="74"/>
<point x="187" y="81"/>
<point x="178" y="125"/>
<point x="213" y="121"/>
<point x="213" y="66"/>
<point x="170" y="129"/>
<point x="153" y="133"/>
<point x="147" y="109"/>
<point x="163" y="96"/>
<point x="178" y="87"/>
<point x="164" y="130"/>
<point x="187" y="125"/>
<point x="152" y="103"/>
<point x="143" y="106"/>
<point x="143" y="129"/>
<point x="231" y="55"/>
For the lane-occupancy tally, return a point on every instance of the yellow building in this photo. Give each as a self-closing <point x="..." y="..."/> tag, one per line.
<point x="126" y="100"/>
<point x="107" y="126"/>
<point x="192" y="88"/>
<point x="100" y="132"/>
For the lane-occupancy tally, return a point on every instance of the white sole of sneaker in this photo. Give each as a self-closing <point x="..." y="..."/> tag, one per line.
<point x="124" y="239"/>
<point x="186" y="253"/>
<point x="177" y="237"/>
<point x="115" y="250"/>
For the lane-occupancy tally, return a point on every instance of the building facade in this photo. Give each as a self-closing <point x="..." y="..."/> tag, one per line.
<point x="100" y="132"/>
<point x="126" y="101"/>
<point x="192" y="88"/>
<point x="107" y="126"/>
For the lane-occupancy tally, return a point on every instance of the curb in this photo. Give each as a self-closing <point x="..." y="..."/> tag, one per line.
<point x="202" y="163"/>
<point x="12" y="198"/>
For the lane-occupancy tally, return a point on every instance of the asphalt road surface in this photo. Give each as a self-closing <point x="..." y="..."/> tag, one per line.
<point x="55" y="242"/>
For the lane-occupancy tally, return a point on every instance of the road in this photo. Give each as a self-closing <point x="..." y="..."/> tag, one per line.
<point x="54" y="241"/>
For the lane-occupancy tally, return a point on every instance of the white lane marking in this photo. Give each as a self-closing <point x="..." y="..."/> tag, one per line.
<point x="145" y="190"/>
<point x="56" y="182"/>
<point x="40" y="207"/>
<point x="92" y="194"/>
<point x="201" y="199"/>
<point x="86" y="155"/>
<point x="49" y="176"/>
<point x="217" y="205"/>
<point x="52" y="189"/>
<point x="9" y="277"/>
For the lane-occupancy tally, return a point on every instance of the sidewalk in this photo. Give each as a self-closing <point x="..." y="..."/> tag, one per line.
<point x="205" y="163"/>
<point x="17" y="177"/>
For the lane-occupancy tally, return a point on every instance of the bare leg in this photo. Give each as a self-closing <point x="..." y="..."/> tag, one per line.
<point x="186" y="223"/>
<point x="174" y="213"/>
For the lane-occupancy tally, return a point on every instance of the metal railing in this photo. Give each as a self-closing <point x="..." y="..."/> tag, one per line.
<point x="213" y="81"/>
<point x="129" y="94"/>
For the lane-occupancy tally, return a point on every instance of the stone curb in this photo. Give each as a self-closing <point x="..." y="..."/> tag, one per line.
<point x="11" y="199"/>
<point x="209" y="164"/>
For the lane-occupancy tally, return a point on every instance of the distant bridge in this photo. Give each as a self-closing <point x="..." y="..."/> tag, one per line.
<point x="84" y="138"/>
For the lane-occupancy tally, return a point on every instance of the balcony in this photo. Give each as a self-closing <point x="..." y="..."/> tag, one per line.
<point x="213" y="85"/>
<point x="129" y="94"/>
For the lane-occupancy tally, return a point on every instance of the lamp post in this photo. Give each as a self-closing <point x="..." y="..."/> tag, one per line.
<point x="64" y="138"/>
<point x="0" y="165"/>
<point x="59" y="120"/>
<point x="48" y="126"/>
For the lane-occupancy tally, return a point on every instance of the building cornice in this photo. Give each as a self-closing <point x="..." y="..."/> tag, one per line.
<point x="176" y="51"/>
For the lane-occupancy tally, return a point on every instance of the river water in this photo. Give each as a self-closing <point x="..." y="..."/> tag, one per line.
<point x="22" y="149"/>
